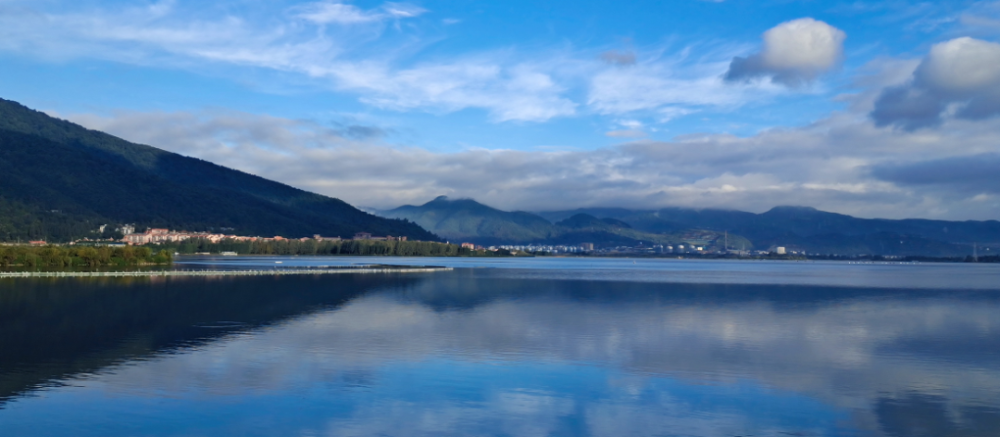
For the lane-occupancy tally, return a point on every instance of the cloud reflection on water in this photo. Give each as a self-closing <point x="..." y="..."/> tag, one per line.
<point x="891" y="361"/>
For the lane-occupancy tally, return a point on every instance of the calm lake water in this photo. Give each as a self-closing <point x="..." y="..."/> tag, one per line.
<point x="510" y="347"/>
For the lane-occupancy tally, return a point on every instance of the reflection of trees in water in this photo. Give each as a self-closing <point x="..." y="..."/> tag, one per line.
<point x="57" y="328"/>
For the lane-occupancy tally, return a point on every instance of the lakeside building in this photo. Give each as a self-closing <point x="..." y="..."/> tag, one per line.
<point x="97" y="243"/>
<point x="540" y="248"/>
<point x="369" y="236"/>
<point x="160" y="235"/>
<point x="321" y="238"/>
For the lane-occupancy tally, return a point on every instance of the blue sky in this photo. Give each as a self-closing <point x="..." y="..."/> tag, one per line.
<point x="844" y="106"/>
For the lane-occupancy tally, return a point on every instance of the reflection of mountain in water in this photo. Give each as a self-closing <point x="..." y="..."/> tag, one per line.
<point x="54" y="329"/>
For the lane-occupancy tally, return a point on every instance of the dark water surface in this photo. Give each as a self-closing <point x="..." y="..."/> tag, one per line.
<point x="508" y="348"/>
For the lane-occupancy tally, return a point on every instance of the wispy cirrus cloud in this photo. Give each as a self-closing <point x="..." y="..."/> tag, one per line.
<point x="328" y="42"/>
<point x="342" y="47"/>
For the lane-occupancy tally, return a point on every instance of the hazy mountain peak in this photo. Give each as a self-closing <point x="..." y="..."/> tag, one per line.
<point x="793" y="208"/>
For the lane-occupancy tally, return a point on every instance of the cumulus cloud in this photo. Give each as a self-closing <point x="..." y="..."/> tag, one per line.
<point x="959" y="78"/>
<point x="827" y="165"/>
<point x="794" y="53"/>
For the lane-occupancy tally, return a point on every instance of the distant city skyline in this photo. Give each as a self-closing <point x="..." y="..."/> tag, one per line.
<point x="868" y="108"/>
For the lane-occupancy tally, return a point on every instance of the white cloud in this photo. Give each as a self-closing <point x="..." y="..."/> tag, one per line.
<point x="336" y="12"/>
<point x="959" y="78"/>
<point x="828" y="165"/>
<point x="962" y="66"/>
<point x="794" y="53"/>
<point x="631" y="124"/>
<point x="521" y="92"/>
<point x="403" y="10"/>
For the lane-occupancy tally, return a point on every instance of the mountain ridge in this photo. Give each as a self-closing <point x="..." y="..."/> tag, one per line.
<point x="801" y="228"/>
<point x="470" y="221"/>
<point x="813" y="230"/>
<point x="59" y="181"/>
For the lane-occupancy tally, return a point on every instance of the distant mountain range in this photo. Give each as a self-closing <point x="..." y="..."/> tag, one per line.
<point x="60" y="181"/>
<point x="809" y="229"/>
<point x="797" y="228"/>
<point x="466" y="220"/>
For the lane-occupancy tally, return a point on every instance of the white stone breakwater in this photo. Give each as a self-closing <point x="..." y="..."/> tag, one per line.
<point x="258" y="272"/>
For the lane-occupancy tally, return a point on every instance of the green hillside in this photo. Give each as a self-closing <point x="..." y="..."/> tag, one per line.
<point x="59" y="181"/>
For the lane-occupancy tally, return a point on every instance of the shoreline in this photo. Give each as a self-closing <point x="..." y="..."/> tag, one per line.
<point x="256" y="272"/>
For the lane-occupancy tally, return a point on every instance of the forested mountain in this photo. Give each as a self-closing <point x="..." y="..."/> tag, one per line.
<point x="465" y="220"/>
<point x="468" y="220"/>
<point x="59" y="181"/>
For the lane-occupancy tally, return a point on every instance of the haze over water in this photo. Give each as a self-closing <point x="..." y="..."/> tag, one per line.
<point x="517" y="347"/>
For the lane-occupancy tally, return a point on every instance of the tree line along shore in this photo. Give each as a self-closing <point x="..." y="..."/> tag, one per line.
<point x="327" y="247"/>
<point x="57" y="256"/>
<point x="82" y="256"/>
